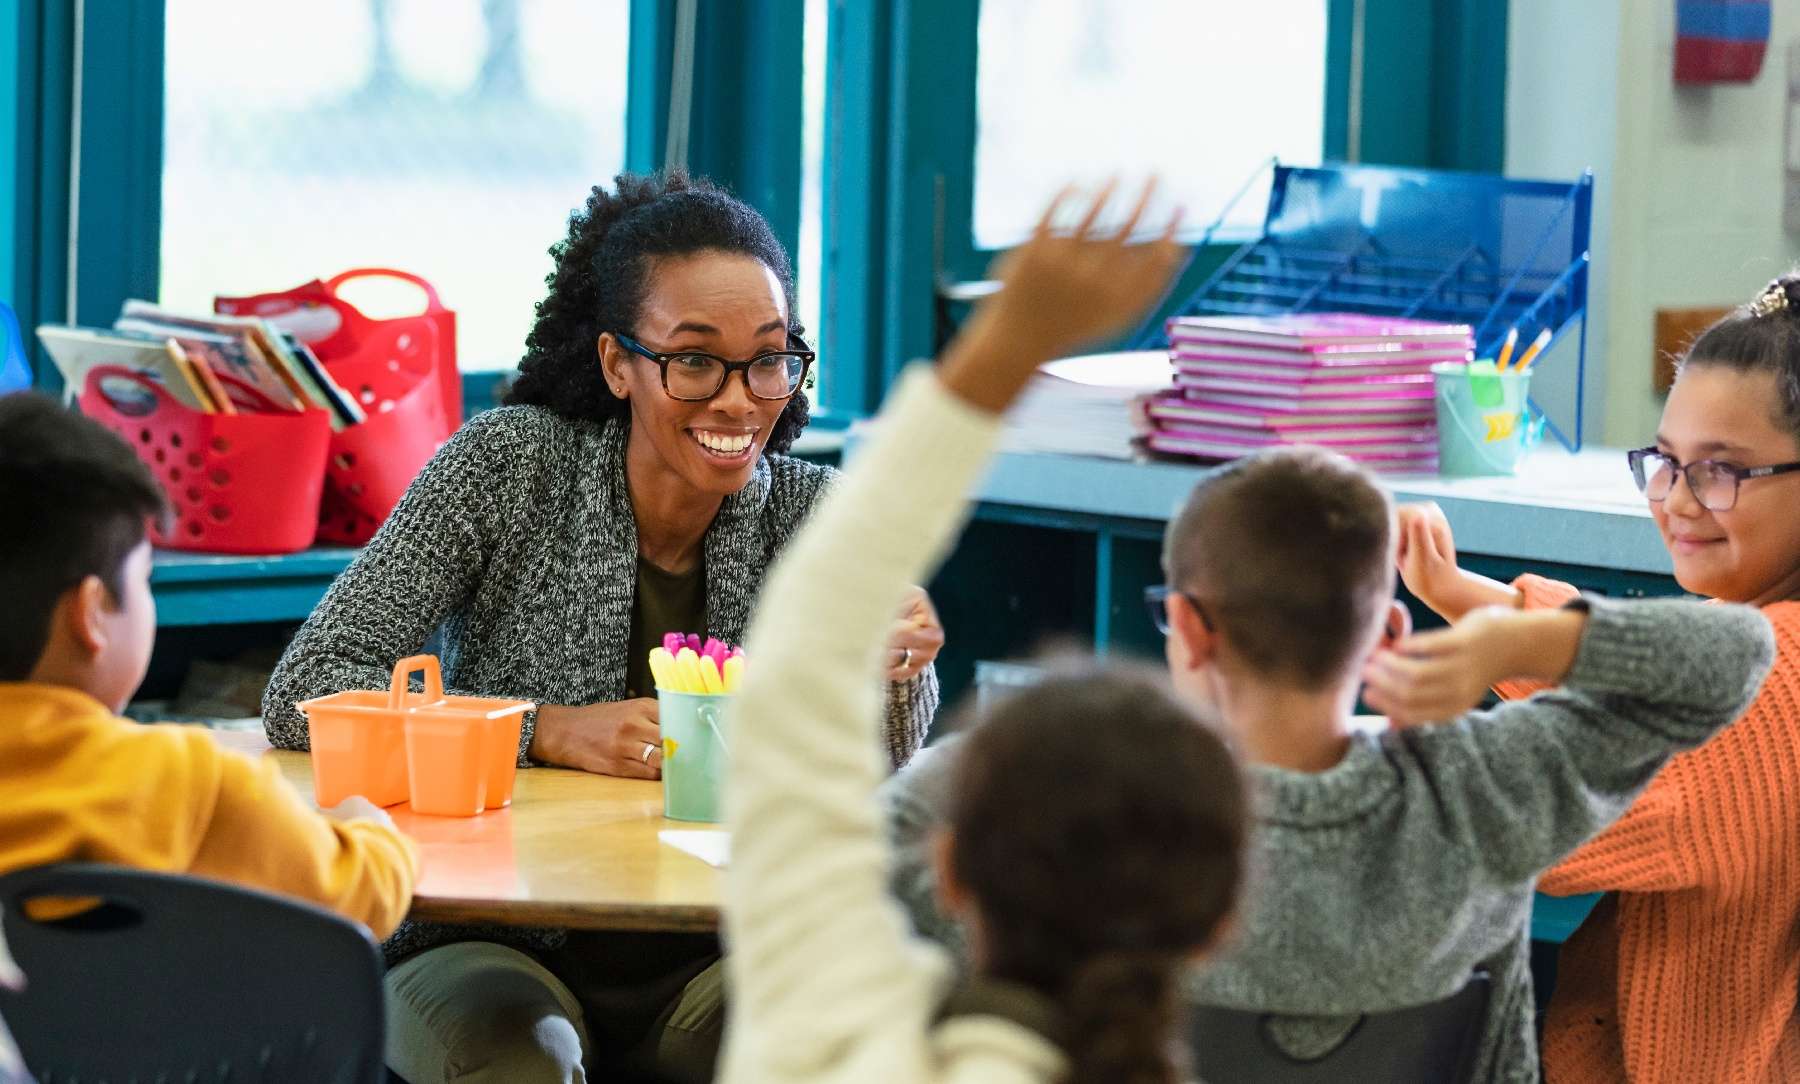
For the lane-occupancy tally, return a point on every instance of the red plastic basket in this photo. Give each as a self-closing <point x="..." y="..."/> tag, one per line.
<point x="237" y="483"/>
<point x="337" y="330"/>
<point x="371" y="464"/>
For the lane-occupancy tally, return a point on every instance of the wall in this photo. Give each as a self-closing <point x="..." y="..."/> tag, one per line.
<point x="1562" y="110"/>
<point x="1689" y="193"/>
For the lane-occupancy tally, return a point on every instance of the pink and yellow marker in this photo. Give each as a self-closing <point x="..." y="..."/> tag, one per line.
<point x="685" y="664"/>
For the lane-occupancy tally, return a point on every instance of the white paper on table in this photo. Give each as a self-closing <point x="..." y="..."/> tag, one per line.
<point x="710" y="846"/>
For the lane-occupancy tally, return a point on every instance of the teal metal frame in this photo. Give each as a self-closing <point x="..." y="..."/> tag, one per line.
<point x="118" y="197"/>
<point x="900" y="145"/>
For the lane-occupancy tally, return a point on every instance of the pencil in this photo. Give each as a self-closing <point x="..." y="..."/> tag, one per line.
<point x="1537" y="345"/>
<point x="1506" y="351"/>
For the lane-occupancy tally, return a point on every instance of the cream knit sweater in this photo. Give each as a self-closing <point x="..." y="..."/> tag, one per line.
<point x="827" y="983"/>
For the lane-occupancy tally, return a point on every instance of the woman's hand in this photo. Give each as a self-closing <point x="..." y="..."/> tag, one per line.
<point x="1427" y="557"/>
<point x="917" y="638"/>
<point x="622" y="738"/>
<point x="1059" y="291"/>
<point x="1438" y="675"/>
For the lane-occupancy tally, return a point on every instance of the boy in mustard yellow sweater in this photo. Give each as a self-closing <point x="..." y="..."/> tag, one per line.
<point x="80" y="784"/>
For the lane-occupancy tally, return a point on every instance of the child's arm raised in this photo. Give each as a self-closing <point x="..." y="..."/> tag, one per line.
<point x="1525" y="783"/>
<point x="825" y="981"/>
<point x="1427" y="558"/>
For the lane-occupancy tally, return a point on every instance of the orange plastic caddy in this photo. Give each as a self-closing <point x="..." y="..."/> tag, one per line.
<point x="451" y="756"/>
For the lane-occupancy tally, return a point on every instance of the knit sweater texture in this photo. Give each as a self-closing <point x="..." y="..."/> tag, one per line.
<point x="1689" y="969"/>
<point x="517" y="548"/>
<point x="1383" y="882"/>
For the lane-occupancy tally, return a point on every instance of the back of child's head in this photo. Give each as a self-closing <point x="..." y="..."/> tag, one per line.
<point x="1760" y="337"/>
<point x="1289" y="554"/>
<point x="1099" y="827"/>
<point x="76" y="503"/>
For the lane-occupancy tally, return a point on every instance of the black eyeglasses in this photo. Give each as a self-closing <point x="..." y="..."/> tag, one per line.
<point x="1713" y="484"/>
<point x="693" y="377"/>
<point x="1156" y="601"/>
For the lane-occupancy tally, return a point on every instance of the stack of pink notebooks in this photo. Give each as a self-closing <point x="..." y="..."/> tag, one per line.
<point x="1360" y="385"/>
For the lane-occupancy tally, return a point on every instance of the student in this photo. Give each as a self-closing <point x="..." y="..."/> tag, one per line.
<point x="1081" y="918"/>
<point x="80" y="784"/>
<point x="1687" y="971"/>
<point x="1393" y="865"/>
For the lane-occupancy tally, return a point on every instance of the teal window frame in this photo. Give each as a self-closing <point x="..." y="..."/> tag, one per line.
<point x="117" y="198"/>
<point x="900" y="149"/>
<point x="745" y="131"/>
<point x="899" y="154"/>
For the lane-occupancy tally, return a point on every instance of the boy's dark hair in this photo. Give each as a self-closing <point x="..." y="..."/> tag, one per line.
<point x="76" y="500"/>
<point x="1290" y="553"/>
<point x="602" y="274"/>
<point x="1762" y="336"/>
<point x="1100" y="828"/>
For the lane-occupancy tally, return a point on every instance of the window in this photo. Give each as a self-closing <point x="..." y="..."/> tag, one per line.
<point x="809" y="263"/>
<point x="450" y="138"/>
<point x="1199" y="92"/>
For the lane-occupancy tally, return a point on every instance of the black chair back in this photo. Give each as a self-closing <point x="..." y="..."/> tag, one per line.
<point x="160" y="977"/>
<point x="1426" y="1044"/>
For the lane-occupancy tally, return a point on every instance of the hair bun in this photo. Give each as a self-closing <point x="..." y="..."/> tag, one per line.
<point x="1780" y="295"/>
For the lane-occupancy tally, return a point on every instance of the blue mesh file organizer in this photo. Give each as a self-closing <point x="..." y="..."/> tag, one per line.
<point x="1469" y="248"/>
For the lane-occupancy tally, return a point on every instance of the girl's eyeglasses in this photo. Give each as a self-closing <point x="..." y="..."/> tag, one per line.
<point x="1713" y="484"/>
<point x="694" y="377"/>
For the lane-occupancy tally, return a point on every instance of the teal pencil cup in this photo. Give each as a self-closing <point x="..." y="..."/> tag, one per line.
<point x="696" y="752"/>
<point x="1484" y="427"/>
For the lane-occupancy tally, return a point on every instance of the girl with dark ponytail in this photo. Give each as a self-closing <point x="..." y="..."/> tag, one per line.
<point x="1096" y="893"/>
<point x="1097" y="839"/>
<point x="1688" y="970"/>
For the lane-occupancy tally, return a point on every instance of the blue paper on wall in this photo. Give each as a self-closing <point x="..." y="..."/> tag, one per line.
<point x="15" y="375"/>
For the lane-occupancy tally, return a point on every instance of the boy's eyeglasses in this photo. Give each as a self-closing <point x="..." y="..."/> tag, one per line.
<point x="1156" y="601"/>
<point x="694" y="377"/>
<point x="1713" y="484"/>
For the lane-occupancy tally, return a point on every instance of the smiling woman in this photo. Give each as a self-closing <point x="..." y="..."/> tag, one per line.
<point x="635" y="483"/>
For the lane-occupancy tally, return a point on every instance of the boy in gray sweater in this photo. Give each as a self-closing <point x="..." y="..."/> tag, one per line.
<point x="1392" y="865"/>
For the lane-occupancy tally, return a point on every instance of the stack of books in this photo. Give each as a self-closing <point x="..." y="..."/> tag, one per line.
<point x="1359" y="385"/>
<point x="1085" y="405"/>
<point x="187" y="355"/>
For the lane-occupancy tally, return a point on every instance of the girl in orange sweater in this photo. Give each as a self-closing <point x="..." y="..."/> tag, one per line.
<point x="1689" y="970"/>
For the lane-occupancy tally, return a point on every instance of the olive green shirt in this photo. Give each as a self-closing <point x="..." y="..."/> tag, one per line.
<point x="665" y="602"/>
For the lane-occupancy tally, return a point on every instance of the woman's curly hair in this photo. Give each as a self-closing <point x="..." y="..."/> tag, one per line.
<point x="602" y="274"/>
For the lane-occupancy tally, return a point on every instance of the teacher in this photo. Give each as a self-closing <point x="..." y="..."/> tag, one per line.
<point x="636" y="483"/>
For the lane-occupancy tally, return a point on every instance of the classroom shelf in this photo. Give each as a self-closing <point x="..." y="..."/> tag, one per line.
<point x="1061" y="547"/>
<point x="215" y="589"/>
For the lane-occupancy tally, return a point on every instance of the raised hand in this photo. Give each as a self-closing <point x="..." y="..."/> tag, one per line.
<point x="1438" y="675"/>
<point x="1426" y="555"/>
<point x="1061" y="290"/>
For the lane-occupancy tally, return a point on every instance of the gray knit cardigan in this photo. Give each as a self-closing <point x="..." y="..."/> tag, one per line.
<point x="517" y="542"/>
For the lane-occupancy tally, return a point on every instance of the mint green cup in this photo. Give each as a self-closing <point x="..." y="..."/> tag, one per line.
<point x="1484" y="427"/>
<point x="696" y="752"/>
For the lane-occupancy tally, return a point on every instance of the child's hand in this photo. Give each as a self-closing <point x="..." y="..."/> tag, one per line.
<point x="1438" y="675"/>
<point x="1426" y="554"/>
<point x="358" y="808"/>
<point x="1059" y="291"/>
